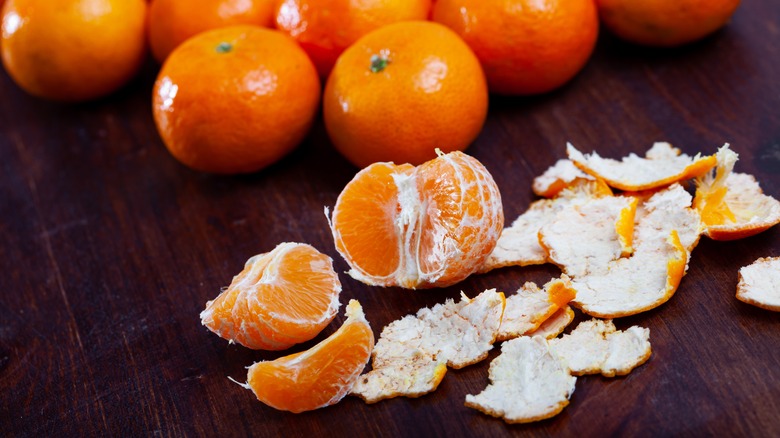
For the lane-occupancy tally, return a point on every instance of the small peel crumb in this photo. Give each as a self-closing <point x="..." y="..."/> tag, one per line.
<point x="596" y="346"/>
<point x="412" y="354"/>
<point x="759" y="283"/>
<point x="531" y="306"/>
<point x="528" y="382"/>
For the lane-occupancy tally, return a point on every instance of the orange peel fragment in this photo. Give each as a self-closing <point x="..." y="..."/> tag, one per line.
<point x="662" y="165"/>
<point x="531" y="306"/>
<point x="759" y="283"/>
<point x="556" y="178"/>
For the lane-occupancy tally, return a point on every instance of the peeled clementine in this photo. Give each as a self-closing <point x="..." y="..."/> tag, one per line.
<point x="525" y="46"/>
<point x="402" y="91"/>
<point x="665" y="23"/>
<point x="73" y="50"/>
<point x="325" y="28"/>
<point x="235" y="99"/>
<point x="171" y="22"/>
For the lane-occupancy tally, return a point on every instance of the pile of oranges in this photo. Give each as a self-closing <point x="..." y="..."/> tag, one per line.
<point x="241" y="81"/>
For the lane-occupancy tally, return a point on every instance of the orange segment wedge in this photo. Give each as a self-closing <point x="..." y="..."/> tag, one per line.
<point x="418" y="227"/>
<point x="320" y="376"/>
<point x="281" y="298"/>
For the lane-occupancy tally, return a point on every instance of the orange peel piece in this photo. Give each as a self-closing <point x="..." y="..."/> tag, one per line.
<point x="662" y="165"/>
<point x="556" y="178"/>
<point x="732" y="205"/>
<point x="666" y="232"/>
<point x="412" y="354"/>
<point x="556" y="324"/>
<point x="531" y="306"/>
<point x="528" y="382"/>
<point x="759" y="283"/>
<point x="519" y="245"/>
<point x="597" y="347"/>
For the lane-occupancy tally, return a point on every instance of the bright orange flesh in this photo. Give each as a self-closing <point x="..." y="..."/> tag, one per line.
<point x="525" y="46"/>
<point x="325" y="28"/>
<point x="664" y="23"/>
<point x="235" y="99"/>
<point x="429" y="226"/>
<point x="73" y="50"/>
<point x="320" y="376"/>
<point x="281" y="298"/>
<point x="171" y="22"/>
<point x="402" y="91"/>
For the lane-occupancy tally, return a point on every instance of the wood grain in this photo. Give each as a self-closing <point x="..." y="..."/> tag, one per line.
<point x="111" y="248"/>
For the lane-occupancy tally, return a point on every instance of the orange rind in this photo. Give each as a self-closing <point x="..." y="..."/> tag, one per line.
<point x="320" y="376"/>
<point x="528" y="382"/>
<point x="412" y="353"/>
<point x="531" y="306"/>
<point x="732" y="205"/>
<point x="418" y="227"/>
<point x="279" y="299"/>
<point x="556" y="324"/>
<point x="556" y="178"/>
<point x="662" y="165"/>
<point x="597" y="347"/>
<point x="759" y="283"/>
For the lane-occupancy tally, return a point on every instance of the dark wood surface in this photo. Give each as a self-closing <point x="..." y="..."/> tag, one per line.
<point x="110" y="249"/>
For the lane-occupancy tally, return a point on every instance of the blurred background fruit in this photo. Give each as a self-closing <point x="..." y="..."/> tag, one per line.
<point x="664" y="23"/>
<point x="235" y="99"/>
<point x="171" y="22"/>
<point x="403" y="90"/>
<point x="73" y="50"/>
<point x="525" y="46"/>
<point x="324" y="28"/>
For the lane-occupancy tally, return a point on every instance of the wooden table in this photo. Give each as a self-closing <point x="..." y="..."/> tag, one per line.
<point x="111" y="248"/>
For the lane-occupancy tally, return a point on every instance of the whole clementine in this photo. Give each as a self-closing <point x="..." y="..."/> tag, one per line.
<point x="402" y="91"/>
<point x="171" y="22"/>
<point x="665" y="23"/>
<point x="325" y="28"/>
<point x="235" y="99"/>
<point x="525" y="46"/>
<point x="73" y="50"/>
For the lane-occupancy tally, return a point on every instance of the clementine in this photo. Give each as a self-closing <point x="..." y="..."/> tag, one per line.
<point x="665" y="23"/>
<point x="235" y="99"/>
<point x="171" y="22"/>
<point x="402" y="91"/>
<point x="73" y="50"/>
<point x="525" y="46"/>
<point x="325" y="28"/>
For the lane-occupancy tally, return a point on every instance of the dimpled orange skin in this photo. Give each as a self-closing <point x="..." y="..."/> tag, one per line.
<point x="430" y="93"/>
<point x="235" y="99"/>
<point x="525" y="46"/>
<point x="665" y="23"/>
<point x="171" y="22"/>
<point x="73" y="50"/>
<point x="325" y="28"/>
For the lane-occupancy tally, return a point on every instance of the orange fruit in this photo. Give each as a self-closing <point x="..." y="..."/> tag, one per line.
<point x="418" y="227"/>
<point x="664" y="23"/>
<point x="525" y="46"/>
<point x="73" y="50"/>
<point x="320" y="376"/>
<point x="325" y="28"/>
<point x="171" y="22"/>
<point x="281" y="298"/>
<point x="402" y="91"/>
<point x="235" y="99"/>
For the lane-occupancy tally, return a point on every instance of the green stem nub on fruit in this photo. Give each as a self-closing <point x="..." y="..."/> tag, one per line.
<point x="379" y="63"/>
<point x="224" y="47"/>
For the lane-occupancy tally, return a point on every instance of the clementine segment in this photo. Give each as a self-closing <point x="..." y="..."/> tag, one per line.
<point x="525" y="46"/>
<point x="73" y="50"/>
<point x="235" y="99"/>
<point x="320" y="376"/>
<point x="325" y="28"/>
<point x="171" y="22"/>
<point x="429" y="226"/>
<point x="402" y="91"/>
<point x="665" y="23"/>
<point x="281" y="298"/>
